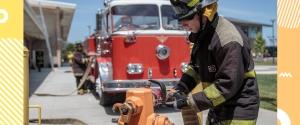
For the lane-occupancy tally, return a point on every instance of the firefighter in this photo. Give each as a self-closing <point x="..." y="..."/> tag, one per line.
<point x="127" y="24"/>
<point x="39" y="60"/>
<point x="221" y="62"/>
<point x="79" y="66"/>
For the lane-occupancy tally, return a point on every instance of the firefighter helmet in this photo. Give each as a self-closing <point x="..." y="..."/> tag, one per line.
<point x="78" y="46"/>
<point x="186" y="9"/>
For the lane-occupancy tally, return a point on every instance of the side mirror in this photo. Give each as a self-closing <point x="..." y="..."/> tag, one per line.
<point x="98" y="21"/>
<point x="105" y="3"/>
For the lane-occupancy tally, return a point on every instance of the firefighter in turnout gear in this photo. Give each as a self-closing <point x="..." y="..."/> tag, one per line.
<point x="79" y="66"/>
<point x="221" y="63"/>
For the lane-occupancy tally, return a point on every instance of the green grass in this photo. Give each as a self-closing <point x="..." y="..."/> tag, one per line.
<point x="266" y="62"/>
<point x="268" y="91"/>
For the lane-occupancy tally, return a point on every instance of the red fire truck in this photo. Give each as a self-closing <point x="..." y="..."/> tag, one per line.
<point x="138" y="40"/>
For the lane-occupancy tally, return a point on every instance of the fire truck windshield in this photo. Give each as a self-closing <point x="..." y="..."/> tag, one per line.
<point x="169" y="22"/>
<point x="135" y="17"/>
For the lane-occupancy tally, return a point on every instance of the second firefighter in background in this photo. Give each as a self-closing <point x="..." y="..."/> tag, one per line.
<point x="79" y="64"/>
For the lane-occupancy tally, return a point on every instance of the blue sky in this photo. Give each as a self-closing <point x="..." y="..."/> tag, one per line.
<point x="253" y="10"/>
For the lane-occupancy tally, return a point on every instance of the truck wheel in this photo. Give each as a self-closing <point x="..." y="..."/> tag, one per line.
<point x="105" y="100"/>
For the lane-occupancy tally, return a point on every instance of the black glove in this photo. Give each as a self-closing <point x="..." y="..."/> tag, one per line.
<point x="180" y="87"/>
<point x="180" y="100"/>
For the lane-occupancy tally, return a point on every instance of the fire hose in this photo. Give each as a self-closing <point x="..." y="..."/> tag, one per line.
<point x="82" y="80"/>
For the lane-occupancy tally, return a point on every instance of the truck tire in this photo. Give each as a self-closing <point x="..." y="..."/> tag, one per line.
<point x="105" y="100"/>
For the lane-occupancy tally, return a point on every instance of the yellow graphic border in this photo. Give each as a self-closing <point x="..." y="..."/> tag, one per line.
<point x="11" y="56"/>
<point x="11" y="62"/>
<point x="11" y="83"/>
<point x="288" y="64"/>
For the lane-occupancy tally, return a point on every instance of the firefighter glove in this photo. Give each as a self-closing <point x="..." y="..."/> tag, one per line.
<point x="180" y="100"/>
<point x="181" y="87"/>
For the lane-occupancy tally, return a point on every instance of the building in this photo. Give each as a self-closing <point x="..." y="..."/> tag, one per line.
<point x="250" y="28"/>
<point x="46" y="29"/>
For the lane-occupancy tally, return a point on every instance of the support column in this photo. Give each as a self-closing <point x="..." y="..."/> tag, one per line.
<point x="45" y="32"/>
<point x="58" y="37"/>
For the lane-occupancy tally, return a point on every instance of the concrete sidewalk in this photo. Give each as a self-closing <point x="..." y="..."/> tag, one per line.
<point x="265" y="69"/>
<point x="86" y="107"/>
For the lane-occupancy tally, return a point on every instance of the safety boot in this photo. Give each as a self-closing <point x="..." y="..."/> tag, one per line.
<point x="80" y="92"/>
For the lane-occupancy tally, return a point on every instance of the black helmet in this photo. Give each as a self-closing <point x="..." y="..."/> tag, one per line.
<point x="186" y="9"/>
<point x="78" y="46"/>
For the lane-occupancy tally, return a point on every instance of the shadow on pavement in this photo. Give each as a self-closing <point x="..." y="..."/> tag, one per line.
<point x="36" y="79"/>
<point x="96" y="95"/>
<point x="69" y="121"/>
<point x="165" y="109"/>
<point x="109" y="111"/>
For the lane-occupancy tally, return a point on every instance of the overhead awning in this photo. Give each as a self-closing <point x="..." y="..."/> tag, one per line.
<point x="49" y="21"/>
<point x="50" y="9"/>
<point x="32" y="26"/>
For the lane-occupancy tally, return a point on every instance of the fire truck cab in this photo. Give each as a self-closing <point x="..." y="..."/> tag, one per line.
<point x="136" y="41"/>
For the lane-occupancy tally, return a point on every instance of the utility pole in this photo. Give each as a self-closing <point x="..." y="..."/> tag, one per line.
<point x="273" y="40"/>
<point x="89" y="27"/>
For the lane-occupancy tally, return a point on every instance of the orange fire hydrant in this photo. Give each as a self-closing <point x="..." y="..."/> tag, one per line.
<point x="138" y="109"/>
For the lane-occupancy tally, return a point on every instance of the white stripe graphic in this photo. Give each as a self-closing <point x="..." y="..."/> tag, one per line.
<point x="286" y="75"/>
<point x="283" y="117"/>
<point x="288" y="13"/>
<point x="11" y="83"/>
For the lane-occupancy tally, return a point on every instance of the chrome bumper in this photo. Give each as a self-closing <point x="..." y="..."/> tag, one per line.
<point x="120" y="86"/>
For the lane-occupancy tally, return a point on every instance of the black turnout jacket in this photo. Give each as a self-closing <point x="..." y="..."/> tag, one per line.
<point x="221" y="61"/>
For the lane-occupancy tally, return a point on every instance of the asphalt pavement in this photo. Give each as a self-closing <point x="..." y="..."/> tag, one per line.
<point x="86" y="108"/>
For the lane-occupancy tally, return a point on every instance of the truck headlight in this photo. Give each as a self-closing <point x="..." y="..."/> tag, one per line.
<point x="184" y="67"/>
<point x="134" y="68"/>
<point x="105" y="69"/>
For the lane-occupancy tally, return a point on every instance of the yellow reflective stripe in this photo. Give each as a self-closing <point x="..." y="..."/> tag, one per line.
<point x="250" y="74"/>
<point x="200" y="87"/>
<point x="197" y="89"/>
<point x="191" y="72"/>
<point x="205" y="84"/>
<point x="200" y="117"/>
<point x="192" y="3"/>
<point x="237" y="122"/>
<point x="214" y="95"/>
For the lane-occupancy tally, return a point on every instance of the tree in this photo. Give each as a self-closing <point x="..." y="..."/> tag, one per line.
<point x="260" y="45"/>
<point x="69" y="48"/>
